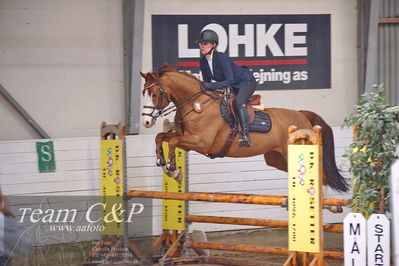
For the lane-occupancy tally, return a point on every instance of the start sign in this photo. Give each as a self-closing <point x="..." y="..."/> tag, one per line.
<point x="378" y="245"/>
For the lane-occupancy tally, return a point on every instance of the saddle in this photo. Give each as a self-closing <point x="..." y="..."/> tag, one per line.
<point x="259" y="120"/>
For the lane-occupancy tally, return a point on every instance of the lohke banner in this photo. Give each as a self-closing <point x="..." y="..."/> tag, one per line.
<point x="282" y="51"/>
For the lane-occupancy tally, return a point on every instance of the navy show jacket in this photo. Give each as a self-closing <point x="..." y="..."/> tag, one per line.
<point x="225" y="72"/>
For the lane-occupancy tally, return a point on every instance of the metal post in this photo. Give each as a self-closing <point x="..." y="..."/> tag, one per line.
<point x="133" y="23"/>
<point x="24" y="114"/>
<point x="372" y="46"/>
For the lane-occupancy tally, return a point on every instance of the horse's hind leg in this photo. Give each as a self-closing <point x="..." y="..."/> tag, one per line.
<point x="276" y="160"/>
<point x="279" y="161"/>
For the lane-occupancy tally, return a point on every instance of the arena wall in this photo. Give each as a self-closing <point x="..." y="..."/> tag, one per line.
<point x="63" y="60"/>
<point x="332" y="104"/>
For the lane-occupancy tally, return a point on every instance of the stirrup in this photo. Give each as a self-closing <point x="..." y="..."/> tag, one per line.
<point x="244" y="141"/>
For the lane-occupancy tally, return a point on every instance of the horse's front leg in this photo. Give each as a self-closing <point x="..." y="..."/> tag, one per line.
<point x="161" y="137"/>
<point x="188" y="142"/>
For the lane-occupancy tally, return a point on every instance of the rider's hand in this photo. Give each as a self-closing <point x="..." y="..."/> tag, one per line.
<point x="207" y="85"/>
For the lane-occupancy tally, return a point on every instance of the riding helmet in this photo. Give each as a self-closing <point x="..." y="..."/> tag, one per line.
<point x="208" y="36"/>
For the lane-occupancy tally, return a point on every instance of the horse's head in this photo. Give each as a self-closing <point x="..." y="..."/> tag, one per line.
<point x="156" y="99"/>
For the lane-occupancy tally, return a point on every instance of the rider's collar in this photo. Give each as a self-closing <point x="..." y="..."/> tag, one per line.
<point x="211" y="52"/>
<point x="209" y="55"/>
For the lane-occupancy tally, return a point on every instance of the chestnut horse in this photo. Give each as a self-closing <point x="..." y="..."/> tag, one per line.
<point x="206" y="131"/>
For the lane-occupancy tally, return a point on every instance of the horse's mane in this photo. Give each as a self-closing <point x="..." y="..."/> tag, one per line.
<point x="166" y="67"/>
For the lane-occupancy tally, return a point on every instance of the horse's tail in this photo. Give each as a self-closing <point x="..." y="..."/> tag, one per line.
<point x="334" y="179"/>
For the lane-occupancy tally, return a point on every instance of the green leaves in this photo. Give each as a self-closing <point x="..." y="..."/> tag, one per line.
<point x="373" y="151"/>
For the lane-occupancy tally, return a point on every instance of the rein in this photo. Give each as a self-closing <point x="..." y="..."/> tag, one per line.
<point x="179" y="120"/>
<point x="160" y="99"/>
<point x="174" y="107"/>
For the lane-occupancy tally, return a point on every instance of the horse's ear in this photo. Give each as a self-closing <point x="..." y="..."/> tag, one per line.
<point x="152" y="76"/>
<point x="144" y="75"/>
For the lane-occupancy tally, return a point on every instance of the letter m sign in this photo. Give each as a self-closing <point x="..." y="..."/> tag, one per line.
<point x="355" y="240"/>
<point x="354" y="230"/>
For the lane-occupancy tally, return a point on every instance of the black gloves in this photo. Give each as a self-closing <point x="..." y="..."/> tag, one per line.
<point x="207" y="85"/>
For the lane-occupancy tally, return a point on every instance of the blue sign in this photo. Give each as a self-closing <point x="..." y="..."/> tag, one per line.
<point x="282" y="51"/>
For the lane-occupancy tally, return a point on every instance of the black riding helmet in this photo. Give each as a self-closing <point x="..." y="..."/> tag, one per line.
<point x="208" y="36"/>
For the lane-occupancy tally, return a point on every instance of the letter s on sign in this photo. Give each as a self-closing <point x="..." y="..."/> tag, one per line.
<point x="45" y="149"/>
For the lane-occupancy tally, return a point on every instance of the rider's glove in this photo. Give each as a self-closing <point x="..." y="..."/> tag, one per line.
<point x="207" y="85"/>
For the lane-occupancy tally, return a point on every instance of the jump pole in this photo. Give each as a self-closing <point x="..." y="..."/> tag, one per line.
<point x="228" y="197"/>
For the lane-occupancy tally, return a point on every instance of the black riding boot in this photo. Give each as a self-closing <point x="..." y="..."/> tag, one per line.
<point x="244" y="141"/>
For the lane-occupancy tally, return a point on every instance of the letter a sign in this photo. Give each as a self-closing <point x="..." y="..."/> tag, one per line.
<point x="355" y="240"/>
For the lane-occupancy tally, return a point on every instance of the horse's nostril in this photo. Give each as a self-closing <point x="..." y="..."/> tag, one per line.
<point x="147" y="123"/>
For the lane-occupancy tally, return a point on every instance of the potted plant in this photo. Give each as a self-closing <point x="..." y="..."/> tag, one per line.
<point x="376" y="137"/>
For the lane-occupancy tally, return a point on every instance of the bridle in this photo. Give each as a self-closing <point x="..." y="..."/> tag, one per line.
<point x="163" y="93"/>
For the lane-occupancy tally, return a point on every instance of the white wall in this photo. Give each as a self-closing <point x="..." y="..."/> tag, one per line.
<point x="63" y="62"/>
<point x="77" y="174"/>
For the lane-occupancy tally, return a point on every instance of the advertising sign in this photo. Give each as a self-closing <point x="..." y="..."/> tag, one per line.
<point x="282" y="51"/>
<point x="304" y="198"/>
<point x="111" y="184"/>
<point x="174" y="211"/>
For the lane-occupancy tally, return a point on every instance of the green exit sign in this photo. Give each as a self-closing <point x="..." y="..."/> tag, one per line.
<point x="45" y="153"/>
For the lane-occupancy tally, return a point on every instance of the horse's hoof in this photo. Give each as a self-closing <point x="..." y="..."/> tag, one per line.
<point x="335" y="209"/>
<point x="174" y="174"/>
<point x="165" y="169"/>
<point x="170" y="167"/>
<point x="179" y="177"/>
<point x="160" y="162"/>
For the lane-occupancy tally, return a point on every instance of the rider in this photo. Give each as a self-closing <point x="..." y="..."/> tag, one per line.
<point x="218" y="71"/>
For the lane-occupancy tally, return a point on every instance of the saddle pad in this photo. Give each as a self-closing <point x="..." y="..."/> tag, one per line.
<point x="262" y="122"/>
